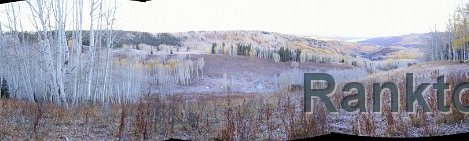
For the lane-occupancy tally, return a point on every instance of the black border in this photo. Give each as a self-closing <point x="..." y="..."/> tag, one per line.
<point x="339" y="136"/>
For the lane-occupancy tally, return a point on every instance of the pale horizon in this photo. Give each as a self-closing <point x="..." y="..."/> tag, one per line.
<point x="358" y="19"/>
<point x="324" y="18"/>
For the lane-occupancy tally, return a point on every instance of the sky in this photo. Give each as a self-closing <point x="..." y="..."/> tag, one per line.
<point x="328" y="18"/>
<point x="324" y="18"/>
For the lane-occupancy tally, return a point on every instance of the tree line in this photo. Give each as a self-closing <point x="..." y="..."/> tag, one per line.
<point x="78" y="65"/>
<point x="52" y="64"/>
<point x="453" y="43"/>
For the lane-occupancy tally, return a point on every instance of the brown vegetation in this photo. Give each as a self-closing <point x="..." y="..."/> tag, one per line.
<point x="200" y="117"/>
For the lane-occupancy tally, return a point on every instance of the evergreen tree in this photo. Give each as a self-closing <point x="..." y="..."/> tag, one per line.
<point x="287" y="54"/>
<point x="281" y="52"/>
<point x="4" y="90"/>
<point x="213" y="47"/>
<point x="298" y="53"/>
<point x="244" y="49"/>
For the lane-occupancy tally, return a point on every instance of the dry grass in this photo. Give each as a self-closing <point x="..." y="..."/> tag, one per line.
<point x="226" y="116"/>
<point x="454" y="116"/>
<point x="397" y="124"/>
<point x="200" y="117"/>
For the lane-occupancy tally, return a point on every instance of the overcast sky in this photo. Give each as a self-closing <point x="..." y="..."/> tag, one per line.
<point x="327" y="18"/>
<point x="345" y="18"/>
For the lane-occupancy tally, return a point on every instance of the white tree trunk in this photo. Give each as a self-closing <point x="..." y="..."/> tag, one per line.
<point x="91" y="51"/>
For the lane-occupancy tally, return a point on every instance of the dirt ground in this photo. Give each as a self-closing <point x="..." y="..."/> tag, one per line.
<point x="244" y="72"/>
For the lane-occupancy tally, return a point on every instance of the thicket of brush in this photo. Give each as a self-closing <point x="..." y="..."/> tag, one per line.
<point x="403" y="124"/>
<point x="203" y="117"/>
